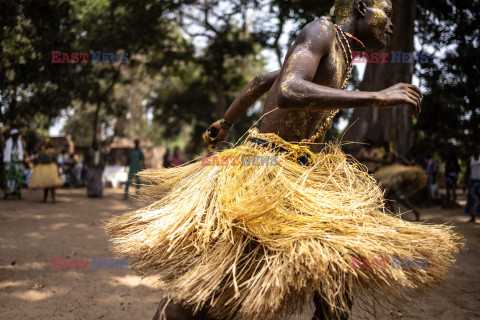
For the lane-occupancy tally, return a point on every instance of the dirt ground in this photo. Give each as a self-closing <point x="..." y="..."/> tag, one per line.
<point x="32" y="233"/>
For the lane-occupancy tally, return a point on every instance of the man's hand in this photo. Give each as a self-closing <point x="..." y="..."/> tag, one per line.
<point x="401" y="94"/>
<point x="212" y="141"/>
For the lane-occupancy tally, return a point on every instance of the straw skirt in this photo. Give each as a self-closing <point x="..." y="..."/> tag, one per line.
<point x="253" y="241"/>
<point x="45" y="176"/>
<point x="408" y="179"/>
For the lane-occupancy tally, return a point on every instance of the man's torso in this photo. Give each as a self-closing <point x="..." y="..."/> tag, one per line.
<point x="296" y="125"/>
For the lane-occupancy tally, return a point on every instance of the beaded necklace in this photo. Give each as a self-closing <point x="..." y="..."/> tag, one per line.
<point x="348" y="57"/>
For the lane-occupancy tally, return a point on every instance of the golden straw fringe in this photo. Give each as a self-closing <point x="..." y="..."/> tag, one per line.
<point x="256" y="242"/>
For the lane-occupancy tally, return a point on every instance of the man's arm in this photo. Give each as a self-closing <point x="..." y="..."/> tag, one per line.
<point x="251" y="93"/>
<point x="297" y="91"/>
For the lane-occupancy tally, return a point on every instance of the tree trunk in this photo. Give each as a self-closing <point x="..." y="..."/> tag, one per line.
<point x="394" y="124"/>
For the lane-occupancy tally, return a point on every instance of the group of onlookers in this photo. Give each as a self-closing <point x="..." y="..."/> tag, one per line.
<point x="48" y="170"/>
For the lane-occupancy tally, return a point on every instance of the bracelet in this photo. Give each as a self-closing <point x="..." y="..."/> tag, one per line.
<point x="228" y="124"/>
<point x="224" y="125"/>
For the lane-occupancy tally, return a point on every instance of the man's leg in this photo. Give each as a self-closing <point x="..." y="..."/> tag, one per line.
<point x="137" y="181"/>
<point x="175" y="311"/>
<point x="127" y="185"/>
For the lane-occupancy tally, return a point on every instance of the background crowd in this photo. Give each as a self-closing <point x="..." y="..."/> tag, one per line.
<point x="48" y="169"/>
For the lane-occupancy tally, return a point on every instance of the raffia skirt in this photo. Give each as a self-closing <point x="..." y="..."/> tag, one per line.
<point x="45" y="176"/>
<point x="256" y="241"/>
<point x="407" y="179"/>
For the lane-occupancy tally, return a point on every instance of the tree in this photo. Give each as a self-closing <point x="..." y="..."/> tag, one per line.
<point x="142" y="29"/>
<point x="227" y="57"/>
<point x="30" y="85"/>
<point x="451" y="117"/>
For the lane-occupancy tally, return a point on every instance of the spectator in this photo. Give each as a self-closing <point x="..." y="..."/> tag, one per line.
<point x="45" y="173"/>
<point x="431" y="167"/>
<point x="178" y="158"/>
<point x="13" y="163"/>
<point x="452" y="169"/>
<point x="135" y="163"/>
<point x="166" y="159"/>
<point x="473" y="174"/>
<point x="95" y="163"/>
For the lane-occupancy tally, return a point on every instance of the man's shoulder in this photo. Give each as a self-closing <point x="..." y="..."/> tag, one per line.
<point x="318" y="34"/>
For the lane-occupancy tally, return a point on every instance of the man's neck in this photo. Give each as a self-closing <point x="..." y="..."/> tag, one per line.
<point x="351" y="27"/>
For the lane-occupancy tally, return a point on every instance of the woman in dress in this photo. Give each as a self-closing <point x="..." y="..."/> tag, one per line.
<point x="45" y="173"/>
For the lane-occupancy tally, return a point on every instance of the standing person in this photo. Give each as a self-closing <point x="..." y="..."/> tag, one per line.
<point x="13" y="163"/>
<point x="95" y="163"/>
<point x="46" y="172"/>
<point x="177" y="159"/>
<point x="431" y="168"/>
<point x="257" y="242"/>
<point x="452" y="170"/>
<point x="135" y="163"/>
<point x="472" y="179"/>
<point x="166" y="159"/>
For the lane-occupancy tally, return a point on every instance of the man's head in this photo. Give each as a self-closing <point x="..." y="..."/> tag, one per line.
<point x="14" y="133"/>
<point x="137" y="143"/>
<point x="372" y="20"/>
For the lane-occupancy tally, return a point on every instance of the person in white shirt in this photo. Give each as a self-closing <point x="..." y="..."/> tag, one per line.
<point x="473" y="173"/>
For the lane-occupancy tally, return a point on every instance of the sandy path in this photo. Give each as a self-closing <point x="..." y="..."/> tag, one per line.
<point x="31" y="233"/>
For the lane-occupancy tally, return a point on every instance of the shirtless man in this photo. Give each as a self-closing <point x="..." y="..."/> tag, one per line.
<point x="309" y="85"/>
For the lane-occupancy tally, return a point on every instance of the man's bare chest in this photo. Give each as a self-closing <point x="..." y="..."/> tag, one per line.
<point x="332" y="69"/>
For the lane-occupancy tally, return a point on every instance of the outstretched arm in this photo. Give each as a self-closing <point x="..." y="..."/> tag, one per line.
<point x="251" y="93"/>
<point x="297" y="91"/>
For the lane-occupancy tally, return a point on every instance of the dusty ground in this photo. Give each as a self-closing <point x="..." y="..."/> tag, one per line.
<point x="31" y="233"/>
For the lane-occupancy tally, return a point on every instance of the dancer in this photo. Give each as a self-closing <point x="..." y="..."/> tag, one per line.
<point x="13" y="164"/>
<point x="399" y="179"/>
<point x="472" y="180"/>
<point x="258" y="242"/>
<point x="45" y="173"/>
<point x="135" y="163"/>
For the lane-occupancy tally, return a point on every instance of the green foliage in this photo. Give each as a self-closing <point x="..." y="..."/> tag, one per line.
<point x="451" y="106"/>
<point x="29" y="83"/>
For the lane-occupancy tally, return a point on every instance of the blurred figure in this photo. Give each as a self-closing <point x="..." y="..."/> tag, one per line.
<point x="431" y="167"/>
<point x="166" y="159"/>
<point x="28" y="165"/>
<point x="135" y="163"/>
<point x="452" y="169"/>
<point x="95" y="163"/>
<point x="473" y="174"/>
<point x="368" y="156"/>
<point x="45" y="173"/>
<point x="13" y="164"/>
<point x="399" y="181"/>
<point x="178" y="158"/>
